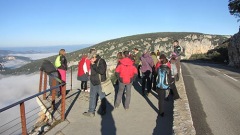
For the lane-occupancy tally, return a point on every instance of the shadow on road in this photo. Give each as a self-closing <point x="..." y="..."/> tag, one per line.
<point x="163" y="124"/>
<point x="107" y="123"/>
<point x="76" y="94"/>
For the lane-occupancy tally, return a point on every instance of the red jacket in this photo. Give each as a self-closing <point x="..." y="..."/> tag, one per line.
<point x="126" y="71"/>
<point x="80" y="66"/>
<point x="159" y="64"/>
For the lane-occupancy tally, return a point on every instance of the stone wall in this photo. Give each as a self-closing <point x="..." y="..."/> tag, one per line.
<point x="234" y="50"/>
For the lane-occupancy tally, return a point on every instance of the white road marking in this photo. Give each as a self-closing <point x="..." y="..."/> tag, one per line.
<point x="230" y="77"/>
<point x="216" y="70"/>
<point x="226" y="75"/>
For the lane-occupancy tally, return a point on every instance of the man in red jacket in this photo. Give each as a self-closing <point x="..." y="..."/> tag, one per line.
<point x="126" y="73"/>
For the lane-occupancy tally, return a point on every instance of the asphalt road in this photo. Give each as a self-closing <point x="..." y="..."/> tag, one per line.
<point x="214" y="96"/>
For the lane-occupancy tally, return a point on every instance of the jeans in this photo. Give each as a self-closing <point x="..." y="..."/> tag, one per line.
<point x="94" y="91"/>
<point x="120" y="94"/>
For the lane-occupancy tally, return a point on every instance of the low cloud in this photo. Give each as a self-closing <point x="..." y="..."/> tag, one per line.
<point x="14" y="88"/>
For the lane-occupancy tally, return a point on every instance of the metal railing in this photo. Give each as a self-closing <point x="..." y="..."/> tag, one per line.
<point x="43" y="78"/>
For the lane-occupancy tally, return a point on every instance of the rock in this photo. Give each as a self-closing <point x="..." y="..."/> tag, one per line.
<point x="234" y="51"/>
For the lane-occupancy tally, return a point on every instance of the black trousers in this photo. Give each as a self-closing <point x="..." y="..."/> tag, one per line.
<point x="84" y="85"/>
<point x="138" y="69"/>
<point x="153" y="80"/>
<point x="146" y="77"/>
<point x="161" y="96"/>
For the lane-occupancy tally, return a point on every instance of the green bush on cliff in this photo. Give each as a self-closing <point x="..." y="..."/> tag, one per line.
<point x="218" y="54"/>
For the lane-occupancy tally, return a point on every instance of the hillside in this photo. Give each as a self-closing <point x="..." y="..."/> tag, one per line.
<point x="194" y="43"/>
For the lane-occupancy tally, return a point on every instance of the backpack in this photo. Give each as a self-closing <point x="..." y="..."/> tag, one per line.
<point x="57" y="62"/>
<point x="48" y="67"/>
<point x="162" y="81"/>
<point x="178" y="50"/>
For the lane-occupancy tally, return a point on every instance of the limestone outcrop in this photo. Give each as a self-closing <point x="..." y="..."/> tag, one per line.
<point x="234" y="50"/>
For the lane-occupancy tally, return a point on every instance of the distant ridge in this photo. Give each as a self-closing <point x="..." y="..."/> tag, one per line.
<point x="44" y="49"/>
<point x="192" y="41"/>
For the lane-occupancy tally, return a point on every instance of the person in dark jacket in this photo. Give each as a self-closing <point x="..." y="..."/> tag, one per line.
<point x="179" y="51"/>
<point x="147" y="65"/>
<point x="98" y="75"/>
<point x="137" y="61"/>
<point x="126" y="73"/>
<point x="52" y="72"/>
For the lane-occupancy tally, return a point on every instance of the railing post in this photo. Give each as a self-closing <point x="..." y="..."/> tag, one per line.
<point x="23" y="118"/>
<point x="54" y="83"/>
<point x="63" y="92"/>
<point x="45" y="85"/>
<point x="71" y="78"/>
<point x="40" y="81"/>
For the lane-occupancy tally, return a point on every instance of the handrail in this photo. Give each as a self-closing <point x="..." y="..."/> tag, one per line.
<point x="53" y="88"/>
<point x="28" y="98"/>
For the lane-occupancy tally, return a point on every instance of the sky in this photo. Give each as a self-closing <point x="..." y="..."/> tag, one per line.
<point x="74" y="22"/>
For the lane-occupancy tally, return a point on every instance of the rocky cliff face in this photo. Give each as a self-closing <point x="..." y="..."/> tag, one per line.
<point x="193" y="43"/>
<point x="234" y="51"/>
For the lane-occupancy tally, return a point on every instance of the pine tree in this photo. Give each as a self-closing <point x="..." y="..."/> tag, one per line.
<point x="234" y="7"/>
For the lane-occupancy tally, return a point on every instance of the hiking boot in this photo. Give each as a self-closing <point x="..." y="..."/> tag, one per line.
<point x="116" y="107"/>
<point x="89" y="114"/>
<point x="148" y="94"/>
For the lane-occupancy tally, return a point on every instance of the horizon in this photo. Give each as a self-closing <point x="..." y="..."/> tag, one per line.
<point x="50" y="23"/>
<point x="84" y="45"/>
<point x="2" y="47"/>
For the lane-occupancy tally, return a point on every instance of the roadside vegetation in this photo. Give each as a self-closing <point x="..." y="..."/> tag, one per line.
<point x="218" y="54"/>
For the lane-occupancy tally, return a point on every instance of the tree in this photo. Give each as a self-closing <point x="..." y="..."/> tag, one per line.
<point x="234" y="7"/>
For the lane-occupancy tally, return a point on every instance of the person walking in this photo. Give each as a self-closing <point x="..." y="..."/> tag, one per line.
<point x="154" y="73"/>
<point x="84" y="72"/>
<point x="98" y="75"/>
<point x="147" y="65"/>
<point x="119" y="57"/>
<point x="61" y="64"/>
<point x="163" y="64"/>
<point x="174" y="73"/>
<point x="137" y="61"/>
<point x="126" y="73"/>
<point x="178" y="50"/>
